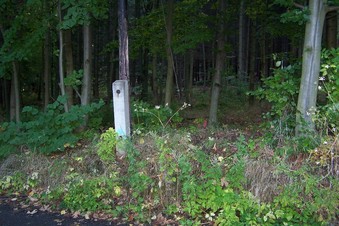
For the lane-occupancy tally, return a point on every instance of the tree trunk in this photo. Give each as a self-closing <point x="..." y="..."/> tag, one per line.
<point x="61" y="66"/>
<point x="331" y="30"/>
<point x="252" y="61"/>
<point x="219" y="66"/>
<point x="145" y="77"/>
<point x="155" y="85"/>
<point x="189" y="75"/>
<point x="47" y="70"/>
<point x="241" y="47"/>
<point x="86" y="81"/>
<point x="96" y="62"/>
<point x="204" y="64"/>
<point x="69" y="64"/>
<point x="15" y="94"/>
<point x="310" y="67"/>
<point x="123" y="42"/>
<point x="169" y="54"/>
<point x="113" y="22"/>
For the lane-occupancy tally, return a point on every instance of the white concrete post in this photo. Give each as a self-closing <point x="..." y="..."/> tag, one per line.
<point x="121" y="109"/>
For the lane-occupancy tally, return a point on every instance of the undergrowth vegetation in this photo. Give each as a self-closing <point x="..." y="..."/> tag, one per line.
<point x="176" y="172"/>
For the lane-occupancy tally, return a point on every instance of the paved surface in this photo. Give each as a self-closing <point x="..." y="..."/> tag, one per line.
<point x="10" y="215"/>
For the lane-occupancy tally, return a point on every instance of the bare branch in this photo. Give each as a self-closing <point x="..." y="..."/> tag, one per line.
<point x="332" y="8"/>
<point x="298" y="5"/>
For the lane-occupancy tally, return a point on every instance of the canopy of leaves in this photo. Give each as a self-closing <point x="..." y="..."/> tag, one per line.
<point x="80" y="12"/>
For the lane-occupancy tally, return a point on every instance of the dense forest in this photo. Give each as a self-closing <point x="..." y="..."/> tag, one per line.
<point x="241" y="81"/>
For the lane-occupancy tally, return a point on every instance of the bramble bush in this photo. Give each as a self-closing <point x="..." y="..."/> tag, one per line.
<point x="281" y="90"/>
<point x="154" y="117"/>
<point x="45" y="131"/>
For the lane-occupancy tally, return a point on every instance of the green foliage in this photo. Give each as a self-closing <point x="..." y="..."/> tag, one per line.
<point x="149" y="31"/>
<point x="74" y="79"/>
<point x="46" y="132"/>
<point x="80" y="12"/>
<point x="12" y="183"/>
<point x="297" y="16"/>
<point x="281" y="90"/>
<point x="154" y="118"/>
<point x="314" y="200"/>
<point x="106" y="145"/>
<point x="91" y="194"/>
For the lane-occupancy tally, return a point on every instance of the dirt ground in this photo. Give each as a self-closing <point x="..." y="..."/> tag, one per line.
<point x="12" y="215"/>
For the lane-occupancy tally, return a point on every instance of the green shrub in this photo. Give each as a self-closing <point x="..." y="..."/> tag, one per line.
<point x="46" y="132"/>
<point x="106" y="145"/>
<point x="154" y="117"/>
<point x="91" y="194"/>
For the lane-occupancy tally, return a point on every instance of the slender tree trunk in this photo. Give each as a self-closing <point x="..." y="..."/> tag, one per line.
<point x="310" y="67"/>
<point x="170" y="63"/>
<point x="145" y="77"/>
<point x="61" y="66"/>
<point x="219" y="66"/>
<point x="87" y="79"/>
<point x="69" y="64"/>
<point x="47" y="70"/>
<point x="252" y="61"/>
<point x="189" y="75"/>
<point x="15" y="93"/>
<point x="155" y="85"/>
<point x="332" y="30"/>
<point x="14" y="104"/>
<point x="96" y="63"/>
<point x="123" y="42"/>
<point x="241" y="47"/>
<point x="204" y="63"/>
<point x="113" y="22"/>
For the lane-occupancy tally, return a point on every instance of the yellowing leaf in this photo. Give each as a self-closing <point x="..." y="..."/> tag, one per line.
<point x="63" y="212"/>
<point x="141" y="141"/>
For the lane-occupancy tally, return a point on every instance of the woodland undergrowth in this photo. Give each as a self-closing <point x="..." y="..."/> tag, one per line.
<point x="174" y="171"/>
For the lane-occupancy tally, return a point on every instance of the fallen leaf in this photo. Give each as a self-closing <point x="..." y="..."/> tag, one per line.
<point x="45" y="208"/>
<point x="63" y="212"/>
<point x="58" y="220"/>
<point x="215" y="147"/>
<point x="87" y="216"/>
<point x="32" y="212"/>
<point x="76" y="214"/>
<point x="32" y="199"/>
<point x="223" y="182"/>
<point x="141" y="141"/>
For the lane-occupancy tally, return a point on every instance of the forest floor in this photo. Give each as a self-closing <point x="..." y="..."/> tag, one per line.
<point x="16" y="211"/>
<point x="59" y="194"/>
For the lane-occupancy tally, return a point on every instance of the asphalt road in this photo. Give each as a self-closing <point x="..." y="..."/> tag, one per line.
<point x="10" y="215"/>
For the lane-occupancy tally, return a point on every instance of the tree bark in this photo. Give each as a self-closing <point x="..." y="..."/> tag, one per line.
<point x="189" y="75"/>
<point x="331" y="30"/>
<point x="219" y="66"/>
<point x="61" y="66"/>
<point x="113" y="22"/>
<point x="169" y="54"/>
<point x="15" y="94"/>
<point x="123" y="42"/>
<point x="47" y="70"/>
<point x="155" y="85"/>
<point x="310" y="67"/>
<point x="87" y="79"/>
<point x="145" y="77"/>
<point x="252" y="61"/>
<point x="69" y="64"/>
<point x="241" y="47"/>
